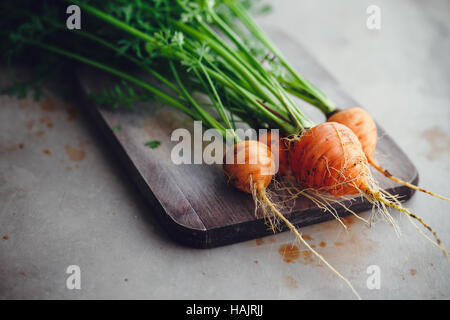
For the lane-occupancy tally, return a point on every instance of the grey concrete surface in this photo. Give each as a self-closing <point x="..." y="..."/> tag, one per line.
<point x="65" y="201"/>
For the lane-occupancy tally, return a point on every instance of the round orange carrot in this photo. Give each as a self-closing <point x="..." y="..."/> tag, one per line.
<point x="279" y="148"/>
<point x="252" y="166"/>
<point x="362" y="124"/>
<point x="330" y="158"/>
<point x="250" y="171"/>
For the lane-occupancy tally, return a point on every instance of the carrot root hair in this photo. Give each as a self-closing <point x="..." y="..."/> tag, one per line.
<point x="270" y="220"/>
<point x="388" y="175"/>
<point x="322" y="200"/>
<point x="382" y="200"/>
<point x="270" y="209"/>
<point x="385" y="199"/>
<point x="364" y="127"/>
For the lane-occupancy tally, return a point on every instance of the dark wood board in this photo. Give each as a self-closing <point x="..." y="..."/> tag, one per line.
<point x="193" y="202"/>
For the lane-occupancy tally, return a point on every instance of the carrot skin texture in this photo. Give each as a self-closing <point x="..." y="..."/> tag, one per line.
<point x="253" y="166"/>
<point x="279" y="148"/>
<point x="329" y="157"/>
<point x="362" y="124"/>
<point x="247" y="177"/>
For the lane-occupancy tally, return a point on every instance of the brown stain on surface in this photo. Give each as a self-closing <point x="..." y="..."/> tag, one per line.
<point x="259" y="241"/>
<point x="439" y="142"/>
<point x="47" y="152"/>
<point x="307" y="237"/>
<point x="44" y="120"/>
<point x="290" y="282"/>
<point x="255" y="262"/>
<point x="289" y="252"/>
<point x="47" y="105"/>
<point x="25" y="103"/>
<point x="13" y="147"/>
<point x="71" y="114"/>
<point x="348" y="221"/>
<point x="306" y="257"/>
<point x="351" y="247"/>
<point x="75" y="154"/>
<point x="413" y="272"/>
<point x="40" y="133"/>
<point x="5" y="237"/>
<point x="29" y="124"/>
<point x="348" y="248"/>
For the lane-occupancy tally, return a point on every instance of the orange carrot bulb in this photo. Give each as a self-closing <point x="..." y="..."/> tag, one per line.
<point x="362" y="124"/>
<point x="329" y="158"/>
<point x="279" y="149"/>
<point x="253" y="165"/>
<point x="252" y="177"/>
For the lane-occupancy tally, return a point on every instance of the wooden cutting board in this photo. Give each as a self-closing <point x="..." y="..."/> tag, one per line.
<point x="193" y="202"/>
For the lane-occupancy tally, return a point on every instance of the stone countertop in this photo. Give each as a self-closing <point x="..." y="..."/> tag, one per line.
<point x="65" y="201"/>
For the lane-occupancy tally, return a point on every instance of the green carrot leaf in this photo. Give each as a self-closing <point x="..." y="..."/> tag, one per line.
<point x="153" y="144"/>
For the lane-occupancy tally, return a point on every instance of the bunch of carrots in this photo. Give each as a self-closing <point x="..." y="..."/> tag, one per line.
<point x="167" y="50"/>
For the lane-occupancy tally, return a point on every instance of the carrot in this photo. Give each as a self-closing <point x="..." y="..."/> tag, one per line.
<point x="252" y="166"/>
<point x="229" y="74"/>
<point x="362" y="124"/>
<point x="329" y="158"/>
<point x="278" y="147"/>
<point x="355" y="118"/>
<point x="251" y="171"/>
